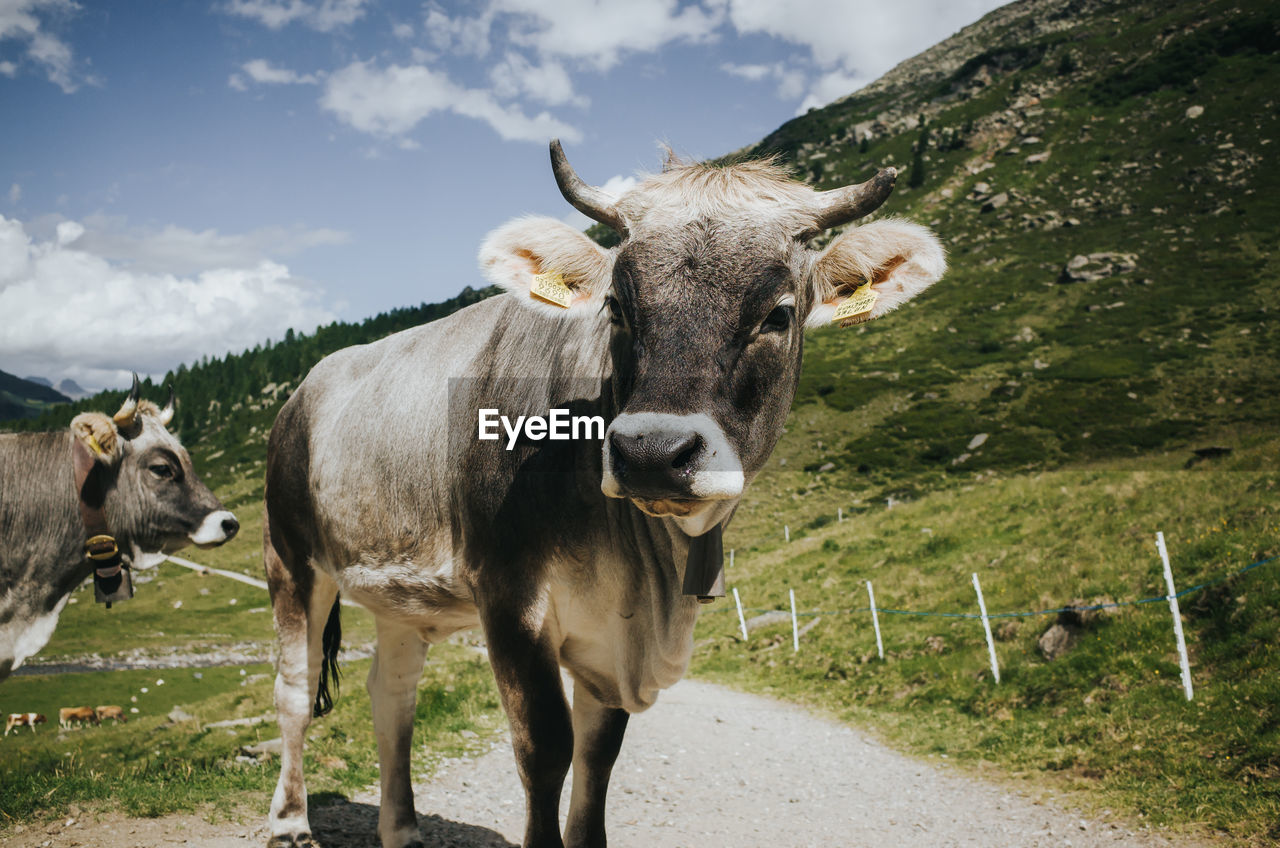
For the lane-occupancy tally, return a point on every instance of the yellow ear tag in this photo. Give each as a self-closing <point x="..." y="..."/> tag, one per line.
<point x="94" y="446"/>
<point x="551" y="288"/>
<point x="855" y="306"/>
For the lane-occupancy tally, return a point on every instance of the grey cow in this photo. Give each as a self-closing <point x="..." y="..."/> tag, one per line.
<point x="139" y="479"/>
<point x="686" y="338"/>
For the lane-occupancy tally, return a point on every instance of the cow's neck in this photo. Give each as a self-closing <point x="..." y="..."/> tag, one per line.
<point x="42" y="559"/>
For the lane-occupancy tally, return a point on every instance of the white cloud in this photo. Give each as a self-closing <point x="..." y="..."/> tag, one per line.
<point x="323" y="16"/>
<point x="831" y="86"/>
<point x="854" y="41"/>
<point x="549" y="82"/>
<point x="392" y="101"/>
<point x="156" y="320"/>
<point x="15" y="194"/>
<point x="601" y="31"/>
<point x="68" y="232"/>
<point x="263" y="72"/>
<point x="790" y="81"/>
<point x="178" y="250"/>
<point x="466" y="36"/>
<point x="402" y="31"/>
<point x="20" y="21"/>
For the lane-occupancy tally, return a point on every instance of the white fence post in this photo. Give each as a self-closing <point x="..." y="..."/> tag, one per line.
<point x="731" y="557"/>
<point x="741" y="620"/>
<point x="1177" y="616"/>
<point x="786" y="533"/>
<point x="795" y="628"/>
<point x="839" y="514"/>
<point x="875" y="619"/>
<point x="986" y="626"/>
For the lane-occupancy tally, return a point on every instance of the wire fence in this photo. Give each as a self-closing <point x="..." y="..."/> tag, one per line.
<point x="1019" y="614"/>
<point x="1171" y="598"/>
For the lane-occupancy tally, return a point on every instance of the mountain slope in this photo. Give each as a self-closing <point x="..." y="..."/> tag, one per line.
<point x="21" y="398"/>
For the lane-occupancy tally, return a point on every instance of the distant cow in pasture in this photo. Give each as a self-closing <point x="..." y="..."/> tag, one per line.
<point x="23" y="720"/>
<point x="68" y="716"/>
<point x="687" y="338"/>
<point x="116" y="714"/>
<point x="101" y="495"/>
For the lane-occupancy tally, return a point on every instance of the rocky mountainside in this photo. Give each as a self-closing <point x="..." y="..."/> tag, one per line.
<point x="1100" y="174"/>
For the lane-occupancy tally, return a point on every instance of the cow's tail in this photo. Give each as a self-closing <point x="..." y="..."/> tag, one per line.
<point x="330" y="643"/>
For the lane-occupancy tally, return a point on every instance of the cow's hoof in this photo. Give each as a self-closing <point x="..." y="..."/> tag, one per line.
<point x="292" y="840"/>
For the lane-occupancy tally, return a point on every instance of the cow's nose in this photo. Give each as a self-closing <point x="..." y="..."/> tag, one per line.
<point x="656" y="464"/>
<point x="230" y="526"/>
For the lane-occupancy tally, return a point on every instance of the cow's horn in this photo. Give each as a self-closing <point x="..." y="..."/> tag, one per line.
<point x="129" y="408"/>
<point x="842" y="205"/>
<point x="166" y="414"/>
<point x="587" y="199"/>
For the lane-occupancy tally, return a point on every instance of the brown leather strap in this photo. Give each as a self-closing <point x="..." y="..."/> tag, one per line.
<point x="100" y="545"/>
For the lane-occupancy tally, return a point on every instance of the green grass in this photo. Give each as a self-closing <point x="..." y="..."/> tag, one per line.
<point x="1109" y="719"/>
<point x="149" y="766"/>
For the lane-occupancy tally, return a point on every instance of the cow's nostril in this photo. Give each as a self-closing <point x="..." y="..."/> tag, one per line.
<point x="685" y="456"/>
<point x="230" y="526"/>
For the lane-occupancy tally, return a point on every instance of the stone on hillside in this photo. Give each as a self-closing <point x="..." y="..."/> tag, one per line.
<point x="1057" y="640"/>
<point x="1037" y="158"/>
<point x="826" y="466"/>
<point x="1097" y="266"/>
<point x="264" y="749"/>
<point x="1194" y="112"/>
<point x="977" y="441"/>
<point x="981" y="188"/>
<point x="1025" y="335"/>
<point x="177" y="715"/>
<point x="996" y="202"/>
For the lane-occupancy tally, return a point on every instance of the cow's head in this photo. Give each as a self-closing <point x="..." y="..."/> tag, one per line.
<point x="708" y="294"/>
<point x="154" y="502"/>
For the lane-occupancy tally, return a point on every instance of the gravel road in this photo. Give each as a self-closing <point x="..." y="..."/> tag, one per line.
<point x="706" y="767"/>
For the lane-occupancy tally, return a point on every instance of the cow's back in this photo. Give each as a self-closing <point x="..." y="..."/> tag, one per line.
<point x="365" y="455"/>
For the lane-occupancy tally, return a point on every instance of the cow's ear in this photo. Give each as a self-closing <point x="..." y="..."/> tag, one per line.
<point x="898" y="258"/>
<point x="547" y="265"/>
<point x="98" y="433"/>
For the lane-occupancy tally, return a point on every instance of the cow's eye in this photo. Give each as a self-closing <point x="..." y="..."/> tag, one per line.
<point x="162" y="470"/>
<point x="615" y="311"/>
<point x="777" y="321"/>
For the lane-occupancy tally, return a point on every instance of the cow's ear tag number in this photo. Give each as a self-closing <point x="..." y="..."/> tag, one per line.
<point x="855" y="308"/>
<point x="550" y="287"/>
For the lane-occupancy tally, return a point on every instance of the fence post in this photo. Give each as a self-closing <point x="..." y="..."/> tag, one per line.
<point x="741" y="620"/>
<point x="839" y="514"/>
<point x="795" y="628"/>
<point x="1177" y="616"/>
<point x="986" y="626"/>
<point x="875" y="619"/>
<point x="786" y="533"/>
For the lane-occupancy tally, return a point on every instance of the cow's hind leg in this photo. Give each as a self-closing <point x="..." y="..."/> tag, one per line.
<point x="597" y="738"/>
<point x="393" y="691"/>
<point x="303" y="601"/>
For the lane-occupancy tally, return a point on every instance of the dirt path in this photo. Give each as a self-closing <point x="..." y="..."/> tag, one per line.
<point x="706" y="767"/>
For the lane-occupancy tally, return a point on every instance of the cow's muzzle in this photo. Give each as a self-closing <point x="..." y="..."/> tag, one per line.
<point x="217" y="527"/>
<point x="668" y="464"/>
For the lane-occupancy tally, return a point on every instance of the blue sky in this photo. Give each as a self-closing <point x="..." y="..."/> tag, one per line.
<point x="185" y="178"/>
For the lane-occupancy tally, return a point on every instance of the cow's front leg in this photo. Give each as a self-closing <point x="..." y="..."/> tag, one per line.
<point x="597" y="738"/>
<point x="393" y="691"/>
<point x="528" y="676"/>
